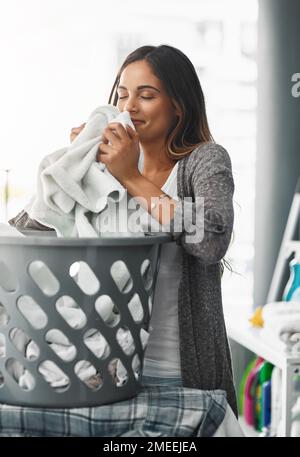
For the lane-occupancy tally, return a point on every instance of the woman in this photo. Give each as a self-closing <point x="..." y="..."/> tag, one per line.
<point x="160" y="89"/>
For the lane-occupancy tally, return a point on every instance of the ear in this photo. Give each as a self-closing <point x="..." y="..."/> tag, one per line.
<point x="177" y="109"/>
<point x="178" y="112"/>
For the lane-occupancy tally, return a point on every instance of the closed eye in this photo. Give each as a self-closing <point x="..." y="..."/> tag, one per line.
<point x="146" y="98"/>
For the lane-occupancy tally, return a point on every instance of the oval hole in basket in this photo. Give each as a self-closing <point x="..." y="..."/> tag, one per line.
<point x="146" y="272"/>
<point x="54" y="376"/>
<point x="88" y="374"/>
<point x="107" y="310"/>
<point x="136" y="308"/>
<point x="136" y="367"/>
<point x="20" y="374"/>
<point x="4" y="316"/>
<point x="121" y="276"/>
<point x="24" y="344"/>
<point x="144" y="337"/>
<point x="118" y="372"/>
<point x="150" y="305"/>
<point x="69" y="310"/>
<point x="125" y="340"/>
<point x="43" y="277"/>
<point x="32" y="312"/>
<point x="2" y="345"/>
<point x="1" y="379"/>
<point x="61" y="345"/>
<point x="84" y="277"/>
<point x="96" y="343"/>
<point x="8" y="280"/>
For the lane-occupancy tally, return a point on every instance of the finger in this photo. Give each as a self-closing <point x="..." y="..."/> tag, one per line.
<point x="101" y="158"/>
<point x="103" y="138"/>
<point x="110" y="136"/>
<point x="104" y="148"/>
<point x="77" y="129"/>
<point x="102" y="153"/>
<point x="80" y="126"/>
<point x="72" y="137"/>
<point x="104" y="158"/>
<point x="120" y="130"/>
<point x="131" y="132"/>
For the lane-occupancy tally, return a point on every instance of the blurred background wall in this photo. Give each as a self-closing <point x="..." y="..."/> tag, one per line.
<point x="278" y="134"/>
<point x="59" y="60"/>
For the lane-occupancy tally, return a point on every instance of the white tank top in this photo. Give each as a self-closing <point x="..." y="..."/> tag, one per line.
<point x="162" y="357"/>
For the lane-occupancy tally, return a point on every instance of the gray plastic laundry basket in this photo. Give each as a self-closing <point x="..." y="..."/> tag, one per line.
<point x="73" y="317"/>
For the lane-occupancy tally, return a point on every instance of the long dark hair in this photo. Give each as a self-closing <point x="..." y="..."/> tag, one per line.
<point x="181" y="83"/>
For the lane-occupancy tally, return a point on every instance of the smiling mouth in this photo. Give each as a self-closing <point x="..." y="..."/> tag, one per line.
<point x="138" y="123"/>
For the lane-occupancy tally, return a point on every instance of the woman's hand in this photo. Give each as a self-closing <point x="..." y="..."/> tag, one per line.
<point x="75" y="131"/>
<point x="122" y="155"/>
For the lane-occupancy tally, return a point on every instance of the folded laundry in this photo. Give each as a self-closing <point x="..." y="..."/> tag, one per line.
<point x="280" y="308"/>
<point x="281" y="325"/>
<point x="273" y="340"/>
<point x="284" y="325"/>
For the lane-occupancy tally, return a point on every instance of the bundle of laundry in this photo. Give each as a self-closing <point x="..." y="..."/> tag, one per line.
<point x="61" y="345"/>
<point x="281" y="325"/>
<point x="74" y="191"/>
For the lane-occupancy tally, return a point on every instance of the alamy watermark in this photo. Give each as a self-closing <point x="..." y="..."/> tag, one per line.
<point x="129" y="215"/>
<point x="296" y="87"/>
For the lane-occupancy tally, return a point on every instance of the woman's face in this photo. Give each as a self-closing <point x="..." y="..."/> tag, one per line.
<point x="151" y="105"/>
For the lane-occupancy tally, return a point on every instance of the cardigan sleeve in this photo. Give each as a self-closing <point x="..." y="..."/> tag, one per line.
<point x="202" y="224"/>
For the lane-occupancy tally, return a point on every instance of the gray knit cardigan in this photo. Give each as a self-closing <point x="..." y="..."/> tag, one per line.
<point x="204" y="350"/>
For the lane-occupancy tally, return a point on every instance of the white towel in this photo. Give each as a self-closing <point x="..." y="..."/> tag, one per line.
<point x="269" y="335"/>
<point x="73" y="189"/>
<point x="280" y="308"/>
<point x="282" y="323"/>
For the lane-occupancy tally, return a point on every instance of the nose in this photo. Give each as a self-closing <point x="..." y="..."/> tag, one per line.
<point x="130" y="105"/>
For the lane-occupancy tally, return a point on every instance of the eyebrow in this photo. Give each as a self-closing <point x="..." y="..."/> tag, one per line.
<point x="145" y="86"/>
